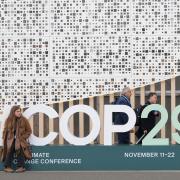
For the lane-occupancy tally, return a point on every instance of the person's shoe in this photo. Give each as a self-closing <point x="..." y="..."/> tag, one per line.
<point x="20" y="169"/>
<point x="8" y="169"/>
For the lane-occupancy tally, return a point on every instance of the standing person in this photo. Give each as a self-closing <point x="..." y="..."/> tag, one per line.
<point x="122" y="118"/>
<point x="15" y="134"/>
<point x="147" y="124"/>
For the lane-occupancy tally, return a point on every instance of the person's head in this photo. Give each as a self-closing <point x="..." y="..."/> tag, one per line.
<point x="15" y="113"/>
<point x="152" y="97"/>
<point x="126" y="92"/>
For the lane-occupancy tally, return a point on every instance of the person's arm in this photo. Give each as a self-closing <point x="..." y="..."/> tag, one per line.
<point x="156" y="113"/>
<point x="143" y="121"/>
<point x="4" y="133"/>
<point x="5" y="130"/>
<point x="123" y="117"/>
<point x="28" y="130"/>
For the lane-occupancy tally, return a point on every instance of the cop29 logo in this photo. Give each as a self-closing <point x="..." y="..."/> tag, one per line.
<point x="109" y="127"/>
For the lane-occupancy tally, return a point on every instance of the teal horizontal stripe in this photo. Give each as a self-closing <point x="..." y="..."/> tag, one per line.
<point x="96" y="157"/>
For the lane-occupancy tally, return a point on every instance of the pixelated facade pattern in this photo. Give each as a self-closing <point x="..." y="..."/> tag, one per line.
<point x="57" y="50"/>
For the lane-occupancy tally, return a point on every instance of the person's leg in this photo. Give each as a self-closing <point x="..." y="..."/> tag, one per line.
<point x="120" y="140"/>
<point x="124" y="138"/>
<point x="9" y="159"/>
<point x="20" y="159"/>
<point x="139" y="135"/>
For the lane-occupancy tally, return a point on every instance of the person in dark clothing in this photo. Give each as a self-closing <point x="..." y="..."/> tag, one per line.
<point x="122" y="118"/>
<point x="147" y="124"/>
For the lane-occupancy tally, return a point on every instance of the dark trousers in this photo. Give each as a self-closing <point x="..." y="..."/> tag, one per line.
<point x="10" y="157"/>
<point x="124" y="138"/>
<point x="139" y="134"/>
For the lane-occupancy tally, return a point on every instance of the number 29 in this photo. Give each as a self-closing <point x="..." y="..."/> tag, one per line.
<point x="149" y="139"/>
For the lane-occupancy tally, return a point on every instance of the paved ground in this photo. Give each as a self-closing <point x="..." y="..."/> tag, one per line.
<point x="135" y="175"/>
